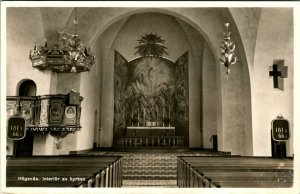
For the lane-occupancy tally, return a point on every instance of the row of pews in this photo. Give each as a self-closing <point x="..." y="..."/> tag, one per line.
<point x="234" y="171"/>
<point x="64" y="171"/>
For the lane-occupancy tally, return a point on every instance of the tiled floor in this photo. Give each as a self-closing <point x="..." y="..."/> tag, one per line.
<point x="150" y="183"/>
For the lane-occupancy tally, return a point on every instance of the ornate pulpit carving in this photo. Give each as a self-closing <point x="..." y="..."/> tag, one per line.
<point x="56" y="114"/>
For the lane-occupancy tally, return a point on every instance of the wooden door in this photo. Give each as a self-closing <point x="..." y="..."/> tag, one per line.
<point x="24" y="147"/>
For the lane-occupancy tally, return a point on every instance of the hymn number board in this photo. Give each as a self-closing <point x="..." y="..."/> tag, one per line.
<point x="280" y="129"/>
<point x="16" y="129"/>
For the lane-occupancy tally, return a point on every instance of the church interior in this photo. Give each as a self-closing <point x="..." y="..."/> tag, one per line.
<point x="149" y="96"/>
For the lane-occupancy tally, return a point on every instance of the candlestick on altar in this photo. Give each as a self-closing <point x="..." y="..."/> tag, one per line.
<point x="131" y="117"/>
<point x="169" y="117"/>
<point x="156" y="116"/>
<point x="144" y="118"/>
<point x="163" y="116"/>
<point x="138" y="118"/>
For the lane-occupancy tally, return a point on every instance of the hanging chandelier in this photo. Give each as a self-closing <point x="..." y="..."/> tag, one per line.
<point x="227" y="50"/>
<point x="71" y="56"/>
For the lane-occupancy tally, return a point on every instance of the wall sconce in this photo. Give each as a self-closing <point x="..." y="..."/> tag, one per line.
<point x="227" y="50"/>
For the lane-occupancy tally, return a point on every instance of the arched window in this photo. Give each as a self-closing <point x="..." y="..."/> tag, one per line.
<point x="27" y="88"/>
<point x="24" y="147"/>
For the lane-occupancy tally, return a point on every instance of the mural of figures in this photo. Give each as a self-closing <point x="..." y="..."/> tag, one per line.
<point x="181" y="97"/>
<point x="151" y="91"/>
<point x="152" y="80"/>
<point x="151" y="75"/>
<point x="120" y="80"/>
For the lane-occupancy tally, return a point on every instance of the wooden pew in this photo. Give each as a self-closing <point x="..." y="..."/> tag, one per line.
<point x="191" y="175"/>
<point x="53" y="178"/>
<point x="60" y="169"/>
<point x="206" y="179"/>
<point x="115" y="166"/>
<point x="234" y="172"/>
<point x="249" y="179"/>
<point x="230" y="169"/>
<point x="66" y="172"/>
<point x="78" y="160"/>
<point x="95" y="171"/>
<point x="71" y="164"/>
<point x="77" y="171"/>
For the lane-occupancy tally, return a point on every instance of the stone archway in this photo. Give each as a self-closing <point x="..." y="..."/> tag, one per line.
<point x="209" y="23"/>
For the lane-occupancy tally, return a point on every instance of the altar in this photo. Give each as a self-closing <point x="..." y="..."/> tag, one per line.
<point x="145" y="131"/>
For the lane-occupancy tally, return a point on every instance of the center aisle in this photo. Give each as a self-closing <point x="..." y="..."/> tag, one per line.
<point x="151" y="169"/>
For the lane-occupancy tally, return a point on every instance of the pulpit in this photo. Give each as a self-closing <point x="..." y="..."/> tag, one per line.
<point x="56" y="114"/>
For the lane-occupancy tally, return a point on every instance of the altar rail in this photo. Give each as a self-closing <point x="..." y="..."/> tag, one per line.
<point x="151" y="141"/>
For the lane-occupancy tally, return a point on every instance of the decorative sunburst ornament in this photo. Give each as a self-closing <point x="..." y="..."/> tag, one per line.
<point x="151" y="45"/>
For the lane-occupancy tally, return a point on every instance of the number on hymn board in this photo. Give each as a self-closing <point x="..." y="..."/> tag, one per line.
<point x="16" y="128"/>
<point x="280" y="129"/>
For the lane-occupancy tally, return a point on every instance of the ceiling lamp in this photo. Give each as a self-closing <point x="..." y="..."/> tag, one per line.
<point x="227" y="50"/>
<point x="69" y="57"/>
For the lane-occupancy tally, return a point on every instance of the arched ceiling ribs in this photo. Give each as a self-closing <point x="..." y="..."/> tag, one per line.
<point x="247" y="23"/>
<point x="116" y="14"/>
<point x="115" y="36"/>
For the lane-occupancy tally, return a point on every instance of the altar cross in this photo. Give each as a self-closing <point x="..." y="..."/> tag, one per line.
<point x="278" y="72"/>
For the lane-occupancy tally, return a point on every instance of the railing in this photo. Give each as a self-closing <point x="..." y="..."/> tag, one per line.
<point x="151" y="141"/>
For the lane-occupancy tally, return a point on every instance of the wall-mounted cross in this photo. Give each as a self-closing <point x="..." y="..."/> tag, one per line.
<point x="279" y="71"/>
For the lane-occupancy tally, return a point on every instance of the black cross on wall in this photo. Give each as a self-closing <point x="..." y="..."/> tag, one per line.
<point x="279" y="71"/>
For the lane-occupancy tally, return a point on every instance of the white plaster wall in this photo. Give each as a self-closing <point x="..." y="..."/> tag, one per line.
<point x="68" y="144"/>
<point x="247" y="21"/>
<point x="274" y="41"/>
<point x="105" y="42"/>
<point x="234" y="107"/>
<point x="209" y="97"/>
<point x="196" y="42"/>
<point x="232" y="103"/>
<point x="21" y="37"/>
<point x="45" y="144"/>
<point x="89" y="89"/>
<point x="233" y="112"/>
